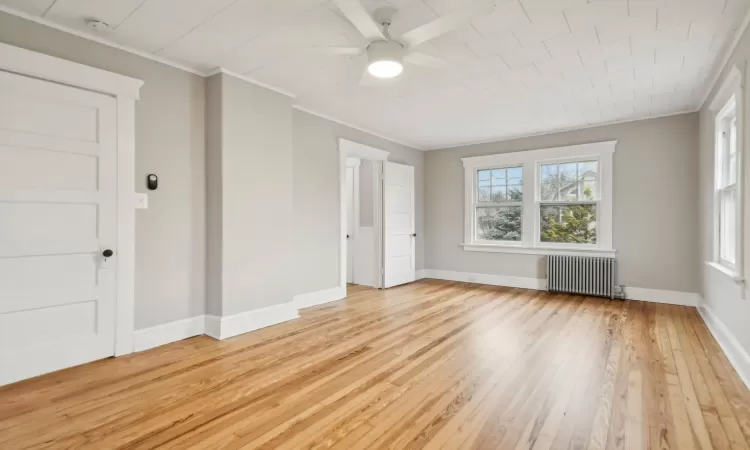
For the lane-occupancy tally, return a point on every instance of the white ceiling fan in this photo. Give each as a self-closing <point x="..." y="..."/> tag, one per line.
<point x="387" y="54"/>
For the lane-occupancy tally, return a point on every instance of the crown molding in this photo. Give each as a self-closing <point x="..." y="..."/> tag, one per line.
<point x="250" y="80"/>
<point x="722" y="63"/>
<point x="356" y="127"/>
<point x="98" y="39"/>
<point x="563" y="130"/>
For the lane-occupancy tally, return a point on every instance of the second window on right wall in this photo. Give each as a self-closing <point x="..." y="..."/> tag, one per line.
<point x="728" y="156"/>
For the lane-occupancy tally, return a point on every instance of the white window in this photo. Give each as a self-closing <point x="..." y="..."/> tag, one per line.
<point x="727" y="176"/>
<point x="556" y="200"/>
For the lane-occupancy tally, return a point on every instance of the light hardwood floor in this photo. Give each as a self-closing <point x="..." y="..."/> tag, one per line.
<point x="432" y="364"/>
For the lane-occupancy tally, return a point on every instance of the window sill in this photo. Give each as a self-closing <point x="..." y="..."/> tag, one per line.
<point x="522" y="250"/>
<point x="734" y="276"/>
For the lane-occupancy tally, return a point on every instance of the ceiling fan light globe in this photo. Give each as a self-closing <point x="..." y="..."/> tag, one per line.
<point x="385" y="68"/>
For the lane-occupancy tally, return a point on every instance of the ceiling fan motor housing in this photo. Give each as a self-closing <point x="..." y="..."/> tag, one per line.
<point x="385" y="51"/>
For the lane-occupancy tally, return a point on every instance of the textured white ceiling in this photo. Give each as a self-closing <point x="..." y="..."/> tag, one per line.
<point x="529" y="67"/>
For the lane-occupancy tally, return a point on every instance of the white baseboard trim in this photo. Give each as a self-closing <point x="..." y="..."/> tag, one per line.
<point x="421" y="273"/>
<point x="662" y="296"/>
<point x="178" y="330"/>
<point x="482" y="278"/>
<point x="737" y="355"/>
<point x="632" y="293"/>
<point x="245" y="322"/>
<point x="213" y="326"/>
<point x="319" y="297"/>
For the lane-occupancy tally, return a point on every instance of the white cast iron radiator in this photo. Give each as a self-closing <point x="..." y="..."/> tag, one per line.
<point x="585" y="275"/>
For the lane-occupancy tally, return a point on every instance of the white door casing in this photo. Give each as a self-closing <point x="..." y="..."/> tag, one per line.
<point x="399" y="225"/>
<point x="66" y="194"/>
<point x="349" y="224"/>
<point x="350" y="149"/>
<point x="352" y="213"/>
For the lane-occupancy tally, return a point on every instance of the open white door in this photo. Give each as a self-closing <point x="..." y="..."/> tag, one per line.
<point x="58" y="206"/>
<point x="399" y="228"/>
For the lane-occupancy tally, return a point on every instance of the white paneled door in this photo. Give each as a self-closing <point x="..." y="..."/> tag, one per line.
<point x="58" y="194"/>
<point x="399" y="227"/>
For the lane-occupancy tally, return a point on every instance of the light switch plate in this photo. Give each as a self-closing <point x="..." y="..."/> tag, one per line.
<point x="141" y="201"/>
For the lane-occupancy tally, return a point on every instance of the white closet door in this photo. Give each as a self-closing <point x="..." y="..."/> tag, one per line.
<point x="57" y="216"/>
<point x="399" y="226"/>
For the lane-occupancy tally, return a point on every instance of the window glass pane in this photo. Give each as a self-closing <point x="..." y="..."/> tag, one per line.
<point x="498" y="177"/>
<point x="483" y="194"/>
<point x="498" y="194"/>
<point x="515" y="193"/>
<point x="570" y="224"/>
<point x="732" y="158"/>
<point x="515" y="175"/>
<point x="568" y="182"/>
<point x="483" y="175"/>
<point x="499" y="223"/>
<point x="732" y="168"/>
<point x="588" y="174"/>
<point x="728" y="225"/>
<point x="548" y="178"/>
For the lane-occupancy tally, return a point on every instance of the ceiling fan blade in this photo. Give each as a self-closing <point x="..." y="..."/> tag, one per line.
<point x="343" y="51"/>
<point x="446" y="24"/>
<point x="358" y="16"/>
<point x="422" y="59"/>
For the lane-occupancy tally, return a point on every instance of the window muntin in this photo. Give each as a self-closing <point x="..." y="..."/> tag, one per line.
<point x="569" y="195"/>
<point x="498" y="209"/>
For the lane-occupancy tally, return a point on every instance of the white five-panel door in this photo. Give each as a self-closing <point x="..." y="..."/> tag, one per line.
<point x="399" y="230"/>
<point x="57" y="217"/>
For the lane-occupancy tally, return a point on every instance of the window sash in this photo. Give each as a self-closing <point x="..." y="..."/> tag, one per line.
<point x="475" y="221"/>
<point x="538" y="225"/>
<point x="727" y="245"/>
<point x="728" y="172"/>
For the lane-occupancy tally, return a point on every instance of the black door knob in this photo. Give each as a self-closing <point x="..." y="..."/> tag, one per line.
<point x="414" y="235"/>
<point x="107" y="253"/>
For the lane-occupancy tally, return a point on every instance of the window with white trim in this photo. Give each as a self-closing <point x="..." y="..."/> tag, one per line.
<point x="541" y="201"/>
<point x="727" y="108"/>
<point x="726" y="185"/>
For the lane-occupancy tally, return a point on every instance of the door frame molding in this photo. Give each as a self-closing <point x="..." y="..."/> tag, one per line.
<point x="351" y="149"/>
<point x="125" y="90"/>
<point x="354" y="164"/>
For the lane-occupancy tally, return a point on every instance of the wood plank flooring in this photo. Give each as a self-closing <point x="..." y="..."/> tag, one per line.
<point x="433" y="364"/>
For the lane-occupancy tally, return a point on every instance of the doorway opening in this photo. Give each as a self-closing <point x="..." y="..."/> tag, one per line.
<point x="378" y="236"/>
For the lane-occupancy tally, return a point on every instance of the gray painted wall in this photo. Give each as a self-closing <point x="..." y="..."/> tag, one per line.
<point x="316" y="197"/>
<point x="170" y="235"/>
<point x="655" y="223"/>
<point x="257" y="196"/>
<point x="214" y="198"/>
<point x="722" y="295"/>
